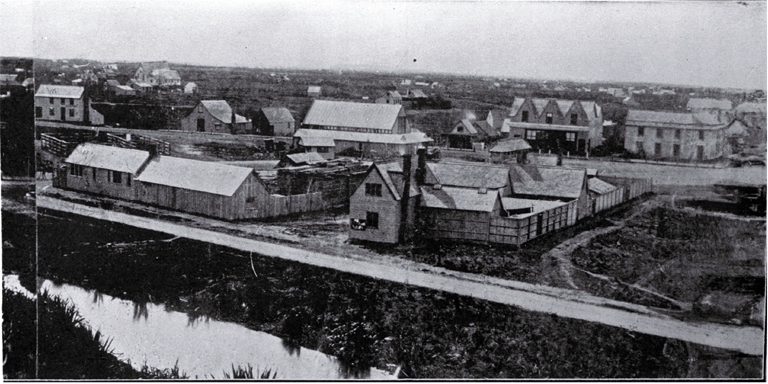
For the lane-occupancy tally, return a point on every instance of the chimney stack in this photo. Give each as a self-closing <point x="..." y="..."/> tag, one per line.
<point x="405" y="197"/>
<point x="421" y="168"/>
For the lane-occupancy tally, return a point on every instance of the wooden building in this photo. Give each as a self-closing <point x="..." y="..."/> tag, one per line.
<point x="356" y="117"/>
<point x="675" y="136"/>
<point x="157" y="73"/>
<point x="564" y="126"/>
<point x="190" y="88"/>
<point x="201" y="187"/>
<point x="368" y="145"/>
<point x="603" y="195"/>
<point x="215" y="116"/>
<point x="460" y="214"/>
<point x="551" y="183"/>
<point x="510" y="151"/>
<point x="274" y="121"/>
<point x="466" y="133"/>
<point x="104" y="170"/>
<point x="314" y="91"/>
<point x="61" y="102"/>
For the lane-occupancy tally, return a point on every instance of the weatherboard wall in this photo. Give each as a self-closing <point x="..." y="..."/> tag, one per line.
<point x="98" y="181"/>
<point x="386" y="206"/>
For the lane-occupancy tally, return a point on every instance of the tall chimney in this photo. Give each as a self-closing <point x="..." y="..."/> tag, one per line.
<point x="405" y="197"/>
<point x="234" y="121"/>
<point x="421" y="168"/>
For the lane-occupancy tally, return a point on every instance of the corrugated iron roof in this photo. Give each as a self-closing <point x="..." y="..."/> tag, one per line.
<point x="599" y="186"/>
<point x="64" y="91"/>
<point x="510" y="145"/>
<point x="105" y="157"/>
<point x="353" y="115"/>
<point x="463" y="199"/>
<point x="673" y="119"/>
<point x="706" y="103"/>
<point x="547" y="181"/>
<point x="202" y="176"/>
<point x="221" y="110"/>
<point x="469" y="175"/>
<point x="415" y="137"/>
<point x="278" y="115"/>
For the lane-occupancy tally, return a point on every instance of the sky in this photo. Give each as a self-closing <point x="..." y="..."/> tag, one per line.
<point x="705" y="43"/>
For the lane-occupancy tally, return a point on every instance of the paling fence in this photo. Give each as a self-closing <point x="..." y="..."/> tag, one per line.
<point x="280" y="205"/>
<point x="608" y="200"/>
<point x="517" y="231"/>
<point x="633" y="187"/>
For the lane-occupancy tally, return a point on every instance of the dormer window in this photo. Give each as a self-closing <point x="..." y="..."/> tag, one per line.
<point x="460" y="129"/>
<point x="574" y="118"/>
<point x="525" y="116"/>
<point x="549" y="118"/>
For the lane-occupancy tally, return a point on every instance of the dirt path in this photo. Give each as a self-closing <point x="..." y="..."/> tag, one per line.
<point x="561" y="302"/>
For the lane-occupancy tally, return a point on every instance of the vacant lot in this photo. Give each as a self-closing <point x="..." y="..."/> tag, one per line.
<point x="682" y="255"/>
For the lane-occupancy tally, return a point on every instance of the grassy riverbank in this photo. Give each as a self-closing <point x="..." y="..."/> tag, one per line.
<point x="365" y="322"/>
<point x="62" y="347"/>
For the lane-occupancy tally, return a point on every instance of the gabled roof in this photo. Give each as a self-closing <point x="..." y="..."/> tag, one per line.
<point x="306" y="158"/>
<point x="486" y="128"/>
<point x="392" y="175"/>
<point x="202" y="176"/>
<point x="221" y="110"/>
<point x="510" y="145"/>
<point x="469" y="128"/>
<point x="8" y="78"/>
<point x="105" y="157"/>
<point x="313" y="89"/>
<point x="151" y="66"/>
<point x="394" y="94"/>
<point x="125" y="88"/>
<point x="736" y="128"/>
<point x="498" y="116"/>
<point x="599" y="186"/>
<point x="353" y="115"/>
<point x="564" y="106"/>
<point x="113" y="83"/>
<point x="554" y="182"/>
<point x="705" y="103"/>
<point x="63" y="91"/>
<point x="462" y="199"/>
<point x="418" y="93"/>
<point x="549" y="127"/>
<point x="516" y="104"/>
<point x="415" y="137"/>
<point x="468" y="175"/>
<point x="539" y="104"/>
<point x="169" y="74"/>
<point x="278" y="115"/>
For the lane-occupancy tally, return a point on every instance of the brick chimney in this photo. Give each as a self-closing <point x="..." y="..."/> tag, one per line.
<point x="405" y="197"/>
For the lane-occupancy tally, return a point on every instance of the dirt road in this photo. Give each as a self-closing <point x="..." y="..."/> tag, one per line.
<point x="561" y="302"/>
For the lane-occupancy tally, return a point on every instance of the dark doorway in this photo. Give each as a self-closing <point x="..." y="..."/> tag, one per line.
<point x="63" y="113"/>
<point x="539" y="223"/>
<point x="201" y="125"/>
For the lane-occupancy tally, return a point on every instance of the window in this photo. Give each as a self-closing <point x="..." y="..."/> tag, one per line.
<point x="71" y="101"/>
<point x="570" y="136"/>
<point x="63" y="101"/>
<point x="200" y="109"/>
<point x="51" y="111"/>
<point x="217" y="126"/>
<point x="676" y="150"/>
<point x="549" y="118"/>
<point x="530" y="134"/>
<point x="76" y="170"/>
<point x="701" y="135"/>
<point x="659" y="133"/>
<point x="525" y="116"/>
<point x="116" y="177"/>
<point x="51" y="100"/>
<point x="700" y="152"/>
<point x="574" y="118"/>
<point x="322" y="149"/>
<point x="639" y="145"/>
<point x="640" y="131"/>
<point x="372" y="220"/>
<point x="38" y="111"/>
<point x="372" y="189"/>
<point x="677" y="134"/>
<point x="459" y="129"/>
<point x="71" y="112"/>
<point x="657" y="149"/>
<point x="93" y="173"/>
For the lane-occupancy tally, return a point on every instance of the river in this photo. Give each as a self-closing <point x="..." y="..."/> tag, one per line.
<point x="153" y="335"/>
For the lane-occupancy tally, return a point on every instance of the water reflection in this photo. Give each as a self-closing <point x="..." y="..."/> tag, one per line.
<point x="202" y="347"/>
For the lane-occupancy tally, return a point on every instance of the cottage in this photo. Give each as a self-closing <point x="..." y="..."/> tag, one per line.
<point x="215" y="116"/>
<point x="417" y="94"/>
<point x="190" y="88"/>
<point x="675" y="136"/>
<point x="467" y="132"/>
<point x="510" y="150"/>
<point x="459" y="214"/>
<point x="157" y="73"/>
<point x="325" y="147"/>
<point x="314" y="91"/>
<point x="383" y="208"/>
<point x="392" y="97"/>
<point x="201" y="187"/>
<point x="499" y="120"/>
<point x="562" y="126"/>
<point x="140" y="87"/>
<point x="275" y="121"/>
<point x="104" y="170"/>
<point x="62" y="103"/>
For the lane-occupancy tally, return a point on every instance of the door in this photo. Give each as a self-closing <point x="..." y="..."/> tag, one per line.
<point x="201" y="125"/>
<point x="63" y="113"/>
<point x="539" y="220"/>
<point x="700" y="152"/>
<point x="38" y="112"/>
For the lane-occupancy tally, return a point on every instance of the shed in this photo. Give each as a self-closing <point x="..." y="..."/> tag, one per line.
<point x="298" y="159"/>
<point x="356" y="117"/>
<point x="510" y="150"/>
<point x="190" y="88"/>
<point x="314" y="91"/>
<point x="215" y="116"/>
<point x="104" y="170"/>
<point x="603" y="195"/>
<point x="275" y="121"/>
<point x="459" y="214"/>
<point x="323" y="146"/>
<point x="551" y="183"/>
<point x="207" y="188"/>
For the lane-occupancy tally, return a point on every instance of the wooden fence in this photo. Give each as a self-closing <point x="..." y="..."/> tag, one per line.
<point x="140" y="142"/>
<point x="60" y="147"/>
<point x="608" y="200"/>
<point x="633" y="187"/>
<point x="279" y="205"/>
<point x="519" y="230"/>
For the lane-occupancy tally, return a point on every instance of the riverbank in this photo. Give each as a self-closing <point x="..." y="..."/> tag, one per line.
<point x="363" y="321"/>
<point x="67" y="348"/>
